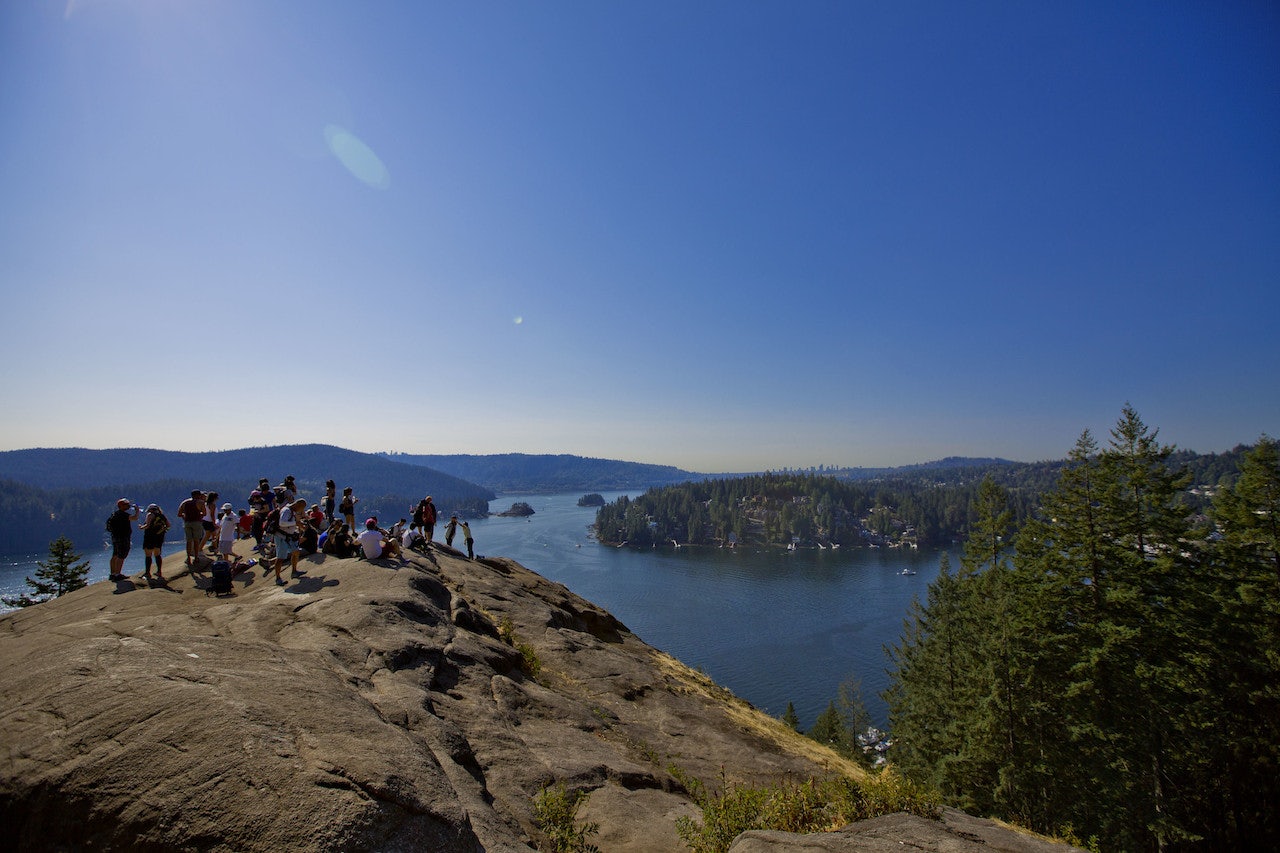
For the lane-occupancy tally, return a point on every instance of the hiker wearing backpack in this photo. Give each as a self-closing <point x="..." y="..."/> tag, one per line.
<point x="154" y="526"/>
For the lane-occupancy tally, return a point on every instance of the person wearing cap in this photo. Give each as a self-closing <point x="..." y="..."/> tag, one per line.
<point x="287" y="539"/>
<point x="374" y="542"/>
<point x="450" y="529"/>
<point x="120" y="526"/>
<point x="227" y="526"/>
<point x="154" y="525"/>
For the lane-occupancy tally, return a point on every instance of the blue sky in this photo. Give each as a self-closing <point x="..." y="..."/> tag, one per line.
<point x="720" y="235"/>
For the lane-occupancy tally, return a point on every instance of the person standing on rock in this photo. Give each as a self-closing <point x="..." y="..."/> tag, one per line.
<point x="154" y="526"/>
<point x="120" y="526"/>
<point x="428" y="526"/>
<point x="450" y="529"/>
<point x="210" y="523"/>
<point x="191" y="511"/>
<point x="348" y="507"/>
<point x="287" y="539"/>
<point x="330" y="498"/>
<point x="228" y="524"/>
<point x="466" y="536"/>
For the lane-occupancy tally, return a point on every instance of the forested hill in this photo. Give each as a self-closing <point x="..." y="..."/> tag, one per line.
<point x="929" y="504"/>
<point x="520" y="472"/>
<point x="45" y="493"/>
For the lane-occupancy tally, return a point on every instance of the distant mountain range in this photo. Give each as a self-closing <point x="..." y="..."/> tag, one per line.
<point x="45" y="493"/>
<point x="521" y="472"/>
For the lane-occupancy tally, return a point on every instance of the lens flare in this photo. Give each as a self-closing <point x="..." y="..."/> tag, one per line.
<point x="357" y="157"/>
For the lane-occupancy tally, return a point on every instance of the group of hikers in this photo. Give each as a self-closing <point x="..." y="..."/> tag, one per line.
<point x="282" y="526"/>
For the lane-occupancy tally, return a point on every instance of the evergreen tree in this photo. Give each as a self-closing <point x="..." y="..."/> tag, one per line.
<point x="789" y="717"/>
<point x="1084" y="661"/>
<point x="830" y="729"/>
<point x="1243" y="692"/>
<point x="59" y="575"/>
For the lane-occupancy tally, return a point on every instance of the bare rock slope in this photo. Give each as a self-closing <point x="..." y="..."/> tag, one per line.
<point x="364" y="706"/>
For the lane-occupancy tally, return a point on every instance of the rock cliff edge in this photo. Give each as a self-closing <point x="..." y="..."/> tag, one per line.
<point x="364" y="706"/>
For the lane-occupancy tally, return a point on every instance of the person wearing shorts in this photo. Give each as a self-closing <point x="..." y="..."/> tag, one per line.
<point x="120" y="524"/>
<point x="191" y="511"/>
<point x="154" y="527"/>
<point x="287" y="539"/>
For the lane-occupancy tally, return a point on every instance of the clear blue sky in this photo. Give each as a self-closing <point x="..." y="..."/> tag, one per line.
<point x="720" y="235"/>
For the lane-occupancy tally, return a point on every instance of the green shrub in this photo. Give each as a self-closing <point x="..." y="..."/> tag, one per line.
<point x="530" y="663"/>
<point x="811" y="806"/>
<point x="555" y="811"/>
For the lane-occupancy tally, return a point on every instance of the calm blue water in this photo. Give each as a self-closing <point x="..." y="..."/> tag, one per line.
<point x="772" y="626"/>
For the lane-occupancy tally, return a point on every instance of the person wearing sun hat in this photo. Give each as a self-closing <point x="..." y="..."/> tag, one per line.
<point x="228" y="523"/>
<point x="120" y="526"/>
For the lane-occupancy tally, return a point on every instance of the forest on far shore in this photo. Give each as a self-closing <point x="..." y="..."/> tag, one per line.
<point x="919" y="506"/>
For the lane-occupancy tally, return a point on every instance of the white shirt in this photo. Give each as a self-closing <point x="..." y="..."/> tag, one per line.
<point x="371" y="542"/>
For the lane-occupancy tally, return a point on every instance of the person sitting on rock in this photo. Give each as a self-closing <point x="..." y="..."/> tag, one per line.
<point x="375" y="544"/>
<point x="309" y="538"/>
<point x="337" y="540"/>
<point x="413" y="540"/>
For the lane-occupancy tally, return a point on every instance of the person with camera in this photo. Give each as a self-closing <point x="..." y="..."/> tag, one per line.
<point x="120" y="526"/>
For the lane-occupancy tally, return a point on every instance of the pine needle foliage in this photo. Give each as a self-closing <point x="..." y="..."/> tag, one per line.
<point x="1111" y="668"/>
<point x="60" y="574"/>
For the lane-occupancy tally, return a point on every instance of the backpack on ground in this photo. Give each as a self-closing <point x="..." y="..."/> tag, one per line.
<point x="219" y="578"/>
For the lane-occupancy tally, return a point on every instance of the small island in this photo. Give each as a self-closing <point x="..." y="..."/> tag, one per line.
<point x="518" y="509"/>
<point x="593" y="499"/>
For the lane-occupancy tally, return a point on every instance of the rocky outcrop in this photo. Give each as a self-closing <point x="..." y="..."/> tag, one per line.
<point x="956" y="832"/>
<point x="392" y="706"/>
<point x="365" y="706"/>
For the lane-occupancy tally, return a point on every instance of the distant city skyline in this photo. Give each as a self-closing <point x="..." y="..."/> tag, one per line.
<point x="720" y="236"/>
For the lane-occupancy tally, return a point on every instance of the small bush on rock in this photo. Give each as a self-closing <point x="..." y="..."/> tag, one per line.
<point x="555" y="811"/>
<point x="812" y="806"/>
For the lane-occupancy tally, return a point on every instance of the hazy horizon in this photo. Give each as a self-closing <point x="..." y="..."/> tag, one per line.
<point x="828" y="465"/>
<point x="720" y="236"/>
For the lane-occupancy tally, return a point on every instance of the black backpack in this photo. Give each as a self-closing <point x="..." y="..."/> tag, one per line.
<point x="219" y="578"/>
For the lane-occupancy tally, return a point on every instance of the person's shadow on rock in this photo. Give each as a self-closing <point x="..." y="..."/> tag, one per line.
<point x="310" y="583"/>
